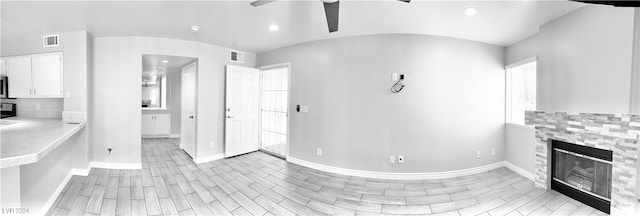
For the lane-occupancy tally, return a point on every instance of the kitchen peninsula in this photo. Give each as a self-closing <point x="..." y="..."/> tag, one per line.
<point x="36" y="155"/>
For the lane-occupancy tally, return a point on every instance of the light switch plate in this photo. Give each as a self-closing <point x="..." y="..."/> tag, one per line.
<point x="68" y="94"/>
<point x="304" y="108"/>
<point x="319" y="151"/>
<point x="493" y="151"/>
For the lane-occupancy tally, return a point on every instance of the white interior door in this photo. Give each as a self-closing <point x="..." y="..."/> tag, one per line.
<point x="242" y="110"/>
<point x="188" y="136"/>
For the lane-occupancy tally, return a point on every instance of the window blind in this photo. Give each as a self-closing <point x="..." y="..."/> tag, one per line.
<point x="521" y="90"/>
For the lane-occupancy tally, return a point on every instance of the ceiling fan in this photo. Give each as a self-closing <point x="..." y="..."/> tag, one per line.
<point x="612" y="3"/>
<point x="331" y="8"/>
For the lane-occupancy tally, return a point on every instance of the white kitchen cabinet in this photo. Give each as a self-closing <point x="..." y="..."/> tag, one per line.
<point x="35" y="76"/>
<point x="46" y="73"/>
<point x="19" y="75"/>
<point x="148" y="125"/>
<point x="156" y="124"/>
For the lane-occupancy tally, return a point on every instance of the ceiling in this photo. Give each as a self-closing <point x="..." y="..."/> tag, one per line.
<point x="151" y="62"/>
<point x="152" y="65"/>
<point x="238" y="25"/>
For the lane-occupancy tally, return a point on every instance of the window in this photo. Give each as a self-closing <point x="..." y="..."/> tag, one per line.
<point x="521" y="90"/>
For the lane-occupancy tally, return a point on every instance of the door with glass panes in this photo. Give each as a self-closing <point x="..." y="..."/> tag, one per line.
<point x="274" y="110"/>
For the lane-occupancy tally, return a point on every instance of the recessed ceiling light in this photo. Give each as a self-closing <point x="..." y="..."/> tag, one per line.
<point x="273" y="27"/>
<point x="165" y="61"/>
<point x="470" y="11"/>
<point x="195" y="28"/>
<point x="159" y="67"/>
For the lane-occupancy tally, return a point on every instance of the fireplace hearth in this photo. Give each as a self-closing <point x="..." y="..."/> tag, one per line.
<point x="582" y="173"/>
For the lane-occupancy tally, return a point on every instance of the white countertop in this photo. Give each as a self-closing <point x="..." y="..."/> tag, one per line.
<point x="28" y="140"/>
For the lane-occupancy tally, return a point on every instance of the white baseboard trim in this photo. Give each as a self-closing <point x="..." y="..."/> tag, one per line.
<point x="159" y="136"/>
<point x="520" y="171"/>
<point x="80" y="172"/>
<point x="109" y="165"/>
<point x="52" y="199"/>
<point x="174" y="136"/>
<point x="209" y="158"/>
<point x="387" y="175"/>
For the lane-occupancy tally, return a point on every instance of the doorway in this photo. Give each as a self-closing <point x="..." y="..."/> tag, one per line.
<point x="167" y="96"/>
<point x="274" y="109"/>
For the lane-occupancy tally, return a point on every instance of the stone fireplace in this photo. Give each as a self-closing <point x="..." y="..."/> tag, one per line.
<point x="615" y="133"/>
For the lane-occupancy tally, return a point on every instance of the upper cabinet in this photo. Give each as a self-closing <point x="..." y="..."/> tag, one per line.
<point x="19" y="74"/>
<point x="35" y="76"/>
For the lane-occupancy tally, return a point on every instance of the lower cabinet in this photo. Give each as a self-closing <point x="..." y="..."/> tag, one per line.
<point x="156" y="124"/>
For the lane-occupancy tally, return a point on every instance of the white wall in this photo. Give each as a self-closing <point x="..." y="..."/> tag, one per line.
<point x="522" y="50"/>
<point x="584" y="65"/>
<point x="452" y="106"/>
<point x="116" y="93"/>
<point x="584" y="61"/>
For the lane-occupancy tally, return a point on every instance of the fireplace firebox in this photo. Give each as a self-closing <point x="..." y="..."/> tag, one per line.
<point x="582" y="173"/>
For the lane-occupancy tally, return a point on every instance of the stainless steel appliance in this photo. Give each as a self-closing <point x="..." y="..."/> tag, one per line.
<point x="7" y="110"/>
<point x="4" y="87"/>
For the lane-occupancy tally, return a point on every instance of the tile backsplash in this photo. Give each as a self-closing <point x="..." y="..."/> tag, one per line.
<point x="28" y="107"/>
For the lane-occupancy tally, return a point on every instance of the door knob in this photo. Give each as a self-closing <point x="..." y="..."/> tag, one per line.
<point x="191" y="117"/>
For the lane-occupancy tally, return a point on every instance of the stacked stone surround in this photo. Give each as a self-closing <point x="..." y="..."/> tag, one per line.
<point x="617" y="133"/>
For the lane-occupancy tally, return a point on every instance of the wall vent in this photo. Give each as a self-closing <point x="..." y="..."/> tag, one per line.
<point x="51" y="40"/>
<point x="237" y="56"/>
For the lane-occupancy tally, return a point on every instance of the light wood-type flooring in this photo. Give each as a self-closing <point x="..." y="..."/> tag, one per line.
<point x="259" y="184"/>
<point x="279" y="149"/>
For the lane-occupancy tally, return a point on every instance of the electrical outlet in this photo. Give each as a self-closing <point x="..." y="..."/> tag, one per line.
<point x="319" y="151"/>
<point x="211" y="144"/>
<point x="493" y="151"/>
<point x="400" y="159"/>
<point x="392" y="159"/>
<point x="37" y="106"/>
<point x="477" y="154"/>
<point x="394" y="77"/>
<point x="110" y="150"/>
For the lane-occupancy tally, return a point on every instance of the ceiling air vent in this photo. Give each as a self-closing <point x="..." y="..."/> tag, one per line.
<point x="51" y="40"/>
<point x="237" y="56"/>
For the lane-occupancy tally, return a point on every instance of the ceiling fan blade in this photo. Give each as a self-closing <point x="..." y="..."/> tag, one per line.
<point x="331" y="10"/>
<point x="406" y="1"/>
<point x="612" y="3"/>
<point x="261" y="2"/>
